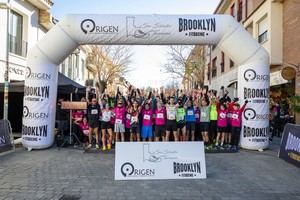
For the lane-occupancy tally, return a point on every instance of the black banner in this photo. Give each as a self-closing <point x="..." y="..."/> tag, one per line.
<point x="290" y="144"/>
<point x="5" y="144"/>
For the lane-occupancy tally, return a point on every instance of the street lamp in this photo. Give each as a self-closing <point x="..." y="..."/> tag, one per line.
<point x="6" y="73"/>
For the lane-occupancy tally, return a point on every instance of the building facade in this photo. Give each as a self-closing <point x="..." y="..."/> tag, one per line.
<point x="75" y="67"/>
<point x="263" y="20"/>
<point x="195" y="68"/>
<point x="274" y="24"/>
<point x="22" y="24"/>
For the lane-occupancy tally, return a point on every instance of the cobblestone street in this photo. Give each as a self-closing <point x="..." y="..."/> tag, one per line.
<point x="53" y="174"/>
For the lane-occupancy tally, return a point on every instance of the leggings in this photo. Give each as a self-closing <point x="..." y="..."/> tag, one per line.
<point x="235" y="135"/>
<point x="213" y="130"/>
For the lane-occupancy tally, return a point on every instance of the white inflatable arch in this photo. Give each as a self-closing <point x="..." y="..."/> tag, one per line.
<point x="74" y="30"/>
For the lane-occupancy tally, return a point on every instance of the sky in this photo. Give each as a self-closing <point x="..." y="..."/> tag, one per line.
<point x="147" y="61"/>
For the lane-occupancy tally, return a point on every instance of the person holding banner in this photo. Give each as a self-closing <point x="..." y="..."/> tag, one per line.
<point x="93" y="113"/>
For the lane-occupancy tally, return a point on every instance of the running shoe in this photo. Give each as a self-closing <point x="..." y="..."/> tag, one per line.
<point x="109" y="146"/>
<point x="97" y="146"/>
<point x="104" y="148"/>
<point x="89" y="146"/>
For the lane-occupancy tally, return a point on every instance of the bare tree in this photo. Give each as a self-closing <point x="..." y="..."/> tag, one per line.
<point x="187" y="63"/>
<point x="178" y="63"/>
<point x="111" y="62"/>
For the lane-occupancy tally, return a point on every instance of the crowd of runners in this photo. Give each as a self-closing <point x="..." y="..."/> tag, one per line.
<point x="161" y="115"/>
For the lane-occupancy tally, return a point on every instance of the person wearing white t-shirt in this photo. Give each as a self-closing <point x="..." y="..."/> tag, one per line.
<point x="171" y="126"/>
<point x="106" y="127"/>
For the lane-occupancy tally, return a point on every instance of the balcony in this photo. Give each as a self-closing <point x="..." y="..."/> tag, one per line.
<point x="45" y="19"/>
<point x="18" y="47"/>
<point x="42" y="4"/>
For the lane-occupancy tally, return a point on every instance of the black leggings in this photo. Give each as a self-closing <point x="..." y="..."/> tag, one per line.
<point x="213" y="130"/>
<point x="235" y="135"/>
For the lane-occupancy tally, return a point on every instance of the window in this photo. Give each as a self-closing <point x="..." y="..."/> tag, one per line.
<point x="63" y="67"/>
<point x="240" y="10"/>
<point x="16" y="43"/>
<point x="222" y="62"/>
<point x="77" y="69"/>
<point x="208" y="72"/>
<point x="82" y="68"/>
<point x="70" y="67"/>
<point x="214" y="67"/>
<point x="263" y="30"/>
<point x="232" y="10"/>
<point x="231" y="64"/>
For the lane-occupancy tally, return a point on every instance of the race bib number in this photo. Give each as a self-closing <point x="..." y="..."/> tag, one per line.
<point x="134" y="119"/>
<point x="197" y="115"/>
<point x="190" y="112"/>
<point x="235" y="116"/>
<point x="94" y="111"/>
<point x="222" y="115"/>
<point x="160" y="115"/>
<point x="203" y="114"/>
<point x="86" y="132"/>
<point x="171" y="117"/>
<point x="128" y="116"/>
<point x="118" y="121"/>
<point x="147" y="117"/>
<point x="106" y="116"/>
<point x="180" y="118"/>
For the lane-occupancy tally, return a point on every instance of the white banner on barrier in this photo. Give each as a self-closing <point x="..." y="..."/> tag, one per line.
<point x="254" y="81"/>
<point x="159" y="160"/>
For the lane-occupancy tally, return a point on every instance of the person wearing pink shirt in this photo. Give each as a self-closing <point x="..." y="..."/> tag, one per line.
<point x="128" y="116"/>
<point x="134" y="124"/>
<point x="160" y="121"/>
<point x="84" y="128"/>
<point x="120" y="112"/>
<point x="236" y="122"/>
<point x="222" y="123"/>
<point x="147" y="116"/>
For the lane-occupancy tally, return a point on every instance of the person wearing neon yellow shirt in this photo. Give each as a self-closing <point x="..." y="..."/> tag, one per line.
<point x="213" y="120"/>
<point x="180" y="120"/>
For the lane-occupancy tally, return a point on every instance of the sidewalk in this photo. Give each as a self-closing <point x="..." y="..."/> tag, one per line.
<point x="51" y="174"/>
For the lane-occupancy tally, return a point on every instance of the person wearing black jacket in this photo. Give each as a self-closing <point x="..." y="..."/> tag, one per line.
<point x="93" y="114"/>
<point x="62" y="117"/>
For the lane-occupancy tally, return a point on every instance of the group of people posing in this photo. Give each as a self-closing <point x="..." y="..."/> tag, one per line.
<point x="165" y="115"/>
